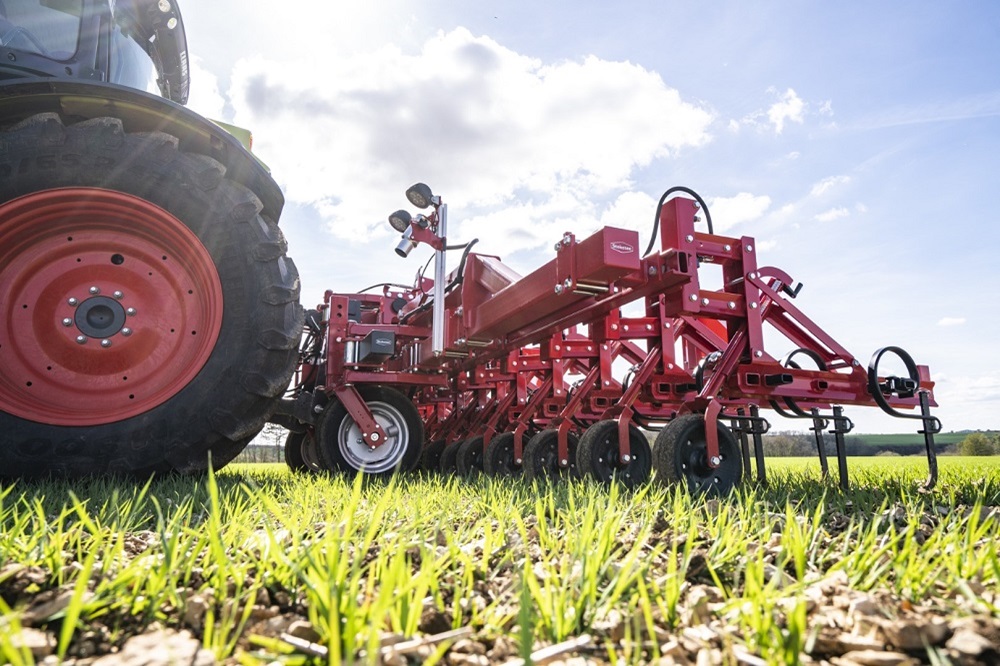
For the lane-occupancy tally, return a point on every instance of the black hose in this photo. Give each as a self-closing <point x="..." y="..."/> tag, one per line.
<point x="663" y="200"/>
<point x="454" y="283"/>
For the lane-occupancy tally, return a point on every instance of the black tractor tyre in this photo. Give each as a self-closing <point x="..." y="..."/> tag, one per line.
<point x="680" y="455"/>
<point x="339" y="437"/>
<point x="293" y="452"/>
<point x="79" y="283"/>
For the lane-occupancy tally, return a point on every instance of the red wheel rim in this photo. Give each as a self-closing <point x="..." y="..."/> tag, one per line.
<point x="111" y="306"/>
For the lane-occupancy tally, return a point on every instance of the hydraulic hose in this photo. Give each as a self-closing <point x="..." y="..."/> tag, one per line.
<point x="659" y="207"/>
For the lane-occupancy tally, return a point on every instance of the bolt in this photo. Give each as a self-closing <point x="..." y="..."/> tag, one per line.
<point x="126" y="331"/>
<point x="563" y="462"/>
<point x="614" y="327"/>
<point x="704" y="301"/>
<point x="728" y="247"/>
<point x="94" y="291"/>
<point x="693" y="297"/>
<point x="130" y="312"/>
<point x="626" y="458"/>
<point x="557" y="246"/>
<point x="649" y="327"/>
<point x="559" y="289"/>
<point x="716" y="460"/>
<point x="607" y="382"/>
<point x="567" y="283"/>
<point x="758" y="353"/>
<point x="318" y="409"/>
<point x="67" y="322"/>
<point x="517" y="460"/>
<point x="557" y="347"/>
<point x="732" y="306"/>
<point x="689" y="238"/>
<point x="666" y="324"/>
<point x="651" y="270"/>
<point x="374" y="437"/>
<point x="81" y="339"/>
<point x="119" y="295"/>
<point x="749" y="248"/>
<point x="105" y="343"/>
<point x="72" y="301"/>
<point x="753" y="306"/>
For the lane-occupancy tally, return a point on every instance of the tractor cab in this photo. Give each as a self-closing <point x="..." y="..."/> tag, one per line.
<point x="139" y="44"/>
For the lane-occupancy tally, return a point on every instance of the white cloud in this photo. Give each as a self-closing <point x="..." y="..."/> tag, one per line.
<point x="951" y="321"/>
<point x="860" y="208"/>
<point x="826" y="108"/>
<point x="789" y="108"/>
<point x="483" y="125"/>
<point x="833" y="214"/>
<point x="204" y="96"/>
<point x="828" y="184"/>
<point x="727" y="212"/>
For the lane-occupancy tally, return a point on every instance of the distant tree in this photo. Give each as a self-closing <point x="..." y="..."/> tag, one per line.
<point x="789" y="444"/>
<point x="977" y="444"/>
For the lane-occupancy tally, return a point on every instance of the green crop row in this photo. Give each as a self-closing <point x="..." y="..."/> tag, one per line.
<point x="229" y="555"/>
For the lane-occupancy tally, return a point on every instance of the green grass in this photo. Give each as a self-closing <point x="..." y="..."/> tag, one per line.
<point x="535" y="564"/>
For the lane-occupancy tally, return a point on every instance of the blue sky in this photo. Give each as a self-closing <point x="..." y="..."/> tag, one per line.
<point x="857" y="142"/>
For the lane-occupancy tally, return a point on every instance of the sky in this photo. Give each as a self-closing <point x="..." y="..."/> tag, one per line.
<point x="858" y="143"/>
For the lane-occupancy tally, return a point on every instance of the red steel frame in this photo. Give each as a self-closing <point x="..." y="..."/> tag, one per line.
<point x="512" y="346"/>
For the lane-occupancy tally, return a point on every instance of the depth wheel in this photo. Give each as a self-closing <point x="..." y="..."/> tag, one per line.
<point x="150" y="317"/>
<point x="430" y="458"/>
<point x="469" y="457"/>
<point x="293" y="452"/>
<point x="340" y="439"/>
<point x="680" y="453"/>
<point x="498" y="459"/>
<point x="448" y="464"/>
<point x="598" y="455"/>
<point x="541" y="456"/>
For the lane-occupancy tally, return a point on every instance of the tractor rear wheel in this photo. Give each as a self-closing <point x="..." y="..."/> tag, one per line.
<point x="150" y="318"/>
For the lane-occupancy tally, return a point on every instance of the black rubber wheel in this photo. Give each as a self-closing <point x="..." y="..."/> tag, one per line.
<point x="498" y="459"/>
<point x="541" y="457"/>
<point x="469" y="458"/>
<point x="679" y="454"/>
<point x="340" y="443"/>
<point x="293" y="452"/>
<point x="89" y="383"/>
<point x="430" y="458"/>
<point x="449" y="458"/>
<point x="597" y="456"/>
<point x="302" y="452"/>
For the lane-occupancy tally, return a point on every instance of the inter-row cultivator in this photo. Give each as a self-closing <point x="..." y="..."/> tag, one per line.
<point x="560" y="372"/>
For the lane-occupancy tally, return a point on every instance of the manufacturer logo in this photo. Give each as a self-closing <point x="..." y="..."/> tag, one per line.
<point x="623" y="248"/>
<point x="382" y="342"/>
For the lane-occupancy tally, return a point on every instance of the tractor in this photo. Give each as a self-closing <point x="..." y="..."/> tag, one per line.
<point x="150" y="315"/>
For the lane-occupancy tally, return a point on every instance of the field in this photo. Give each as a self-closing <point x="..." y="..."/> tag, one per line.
<point x="255" y="565"/>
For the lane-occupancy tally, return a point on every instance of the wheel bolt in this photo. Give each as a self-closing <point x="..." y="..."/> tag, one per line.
<point x="81" y="339"/>
<point x="105" y="343"/>
<point x="119" y="295"/>
<point x="72" y="301"/>
<point x="626" y="458"/>
<point x="564" y="462"/>
<point x="67" y="322"/>
<point x="94" y="291"/>
<point x="126" y="332"/>
<point x="130" y="312"/>
<point x="716" y="460"/>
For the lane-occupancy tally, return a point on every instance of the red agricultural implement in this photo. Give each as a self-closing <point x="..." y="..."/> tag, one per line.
<point x="547" y="375"/>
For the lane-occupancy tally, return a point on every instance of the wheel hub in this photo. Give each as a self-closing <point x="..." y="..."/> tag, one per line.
<point x="100" y="317"/>
<point x="112" y="305"/>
